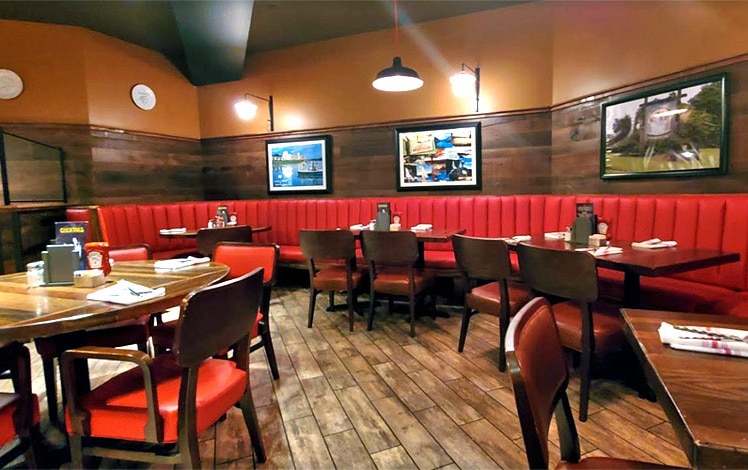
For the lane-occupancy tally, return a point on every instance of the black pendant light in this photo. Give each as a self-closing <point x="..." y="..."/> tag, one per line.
<point x="397" y="77"/>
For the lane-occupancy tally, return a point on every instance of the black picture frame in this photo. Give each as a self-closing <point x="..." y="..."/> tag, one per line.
<point x="301" y="165"/>
<point x="439" y="156"/>
<point x="671" y="131"/>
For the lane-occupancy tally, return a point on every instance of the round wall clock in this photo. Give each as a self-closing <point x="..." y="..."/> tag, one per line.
<point x="11" y="84"/>
<point x="143" y="97"/>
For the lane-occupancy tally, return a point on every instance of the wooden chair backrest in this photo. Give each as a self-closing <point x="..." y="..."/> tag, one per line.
<point x="327" y="244"/>
<point x="208" y="237"/>
<point x="398" y="248"/>
<point x="540" y="377"/>
<point x="482" y="258"/>
<point x="562" y="273"/>
<point x="214" y="318"/>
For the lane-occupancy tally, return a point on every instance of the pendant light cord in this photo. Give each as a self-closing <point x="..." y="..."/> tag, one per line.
<point x="397" y="41"/>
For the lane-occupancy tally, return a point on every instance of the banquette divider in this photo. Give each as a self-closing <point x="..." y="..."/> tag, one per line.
<point x="716" y="221"/>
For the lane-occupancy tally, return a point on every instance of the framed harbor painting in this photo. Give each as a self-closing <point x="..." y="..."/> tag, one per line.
<point x="678" y="130"/>
<point x="441" y="156"/>
<point x="300" y="165"/>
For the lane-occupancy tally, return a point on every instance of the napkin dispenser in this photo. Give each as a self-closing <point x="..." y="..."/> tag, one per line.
<point x="60" y="262"/>
<point x="581" y="230"/>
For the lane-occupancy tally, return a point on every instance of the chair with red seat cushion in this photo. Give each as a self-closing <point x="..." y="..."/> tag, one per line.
<point x="123" y="333"/>
<point x="241" y="258"/>
<point x="487" y="259"/>
<point x="19" y="411"/>
<point x="540" y="378"/>
<point x="584" y="324"/>
<point x="393" y="259"/>
<point x="155" y="411"/>
<point x="331" y="260"/>
<point x="207" y="238"/>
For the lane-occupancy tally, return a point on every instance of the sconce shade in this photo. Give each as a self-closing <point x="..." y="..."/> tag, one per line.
<point x="245" y="109"/>
<point x="463" y="83"/>
<point x="397" y="78"/>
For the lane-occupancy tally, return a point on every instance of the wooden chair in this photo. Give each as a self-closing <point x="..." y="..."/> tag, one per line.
<point x="331" y="259"/>
<point x="208" y="237"/>
<point x="19" y="411"/>
<point x="123" y="333"/>
<point x="155" y="411"/>
<point x="585" y="325"/>
<point x="392" y="258"/>
<point x="241" y="258"/>
<point x="487" y="259"/>
<point x="540" y="378"/>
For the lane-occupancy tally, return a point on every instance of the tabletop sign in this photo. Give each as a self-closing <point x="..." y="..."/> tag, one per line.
<point x="382" y="221"/>
<point x="223" y="212"/>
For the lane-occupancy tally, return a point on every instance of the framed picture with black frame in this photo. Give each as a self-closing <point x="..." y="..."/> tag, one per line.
<point x="676" y="130"/>
<point x="299" y="165"/>
<point x="439" y="156"/>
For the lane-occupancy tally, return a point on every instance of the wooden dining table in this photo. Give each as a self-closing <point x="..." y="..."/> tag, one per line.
<point x="28" y="313"/>
<point x="704" y="396"/>
<point x="637" y="262"/>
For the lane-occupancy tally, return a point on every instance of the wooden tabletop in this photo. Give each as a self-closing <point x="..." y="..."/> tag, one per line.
<point x="193" y="233"/>
<point x="26" y="313"/>
<point x="441" y="235"/>
<point x="705" y="396"/>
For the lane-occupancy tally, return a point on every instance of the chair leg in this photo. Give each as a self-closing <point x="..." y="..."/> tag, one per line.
<point x="312" y="303"/>
<point x="466" y="314"/>
<point x="350" y="296"/>
<point x="76" y="451"/>
<point x="370" y="325"/>
<point x="267" y="343"/>
<point x="50" y="384"/>
<point x="584" y="388"/>
<point x="332" y="298"/>
<point x="253" y="426"/>
<point x="503" y="327"/>
<point x="412" y="305"/>
<point x="190" y="449"/>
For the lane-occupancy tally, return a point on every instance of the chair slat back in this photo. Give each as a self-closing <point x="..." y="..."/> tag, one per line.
<point x="482" y="258"/>
<point x="242" y="258"/>
<point x="327" y="244"/>
<point x="539" y="376"/>
<point x="208" y="237"/>
<point x="563" y="273"/>
<point x="215" y="317"/>
<point x="399" y="248"/>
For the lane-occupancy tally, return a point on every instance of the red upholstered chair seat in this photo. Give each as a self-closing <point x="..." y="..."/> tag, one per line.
<point x="608" y="326"/>
<point x="487" y="298"/>
<point x="393" y="280"/>
<point x="8" y="406"/>
<point x="439" y="259"/>
<point x="333" y="277"/>
<point x="118" y="407"/>
<point x="291" y="254"/>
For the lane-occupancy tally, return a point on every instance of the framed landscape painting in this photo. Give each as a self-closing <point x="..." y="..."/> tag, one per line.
<point x="300" y="165"/>
<point x="679" y="130"/>
<point x="441" y="156"/>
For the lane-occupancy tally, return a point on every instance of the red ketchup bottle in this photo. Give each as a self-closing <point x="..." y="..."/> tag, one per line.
<point x="97" y="256"/>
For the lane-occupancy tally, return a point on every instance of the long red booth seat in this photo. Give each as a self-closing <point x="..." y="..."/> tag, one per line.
<point x="708" y="221"/>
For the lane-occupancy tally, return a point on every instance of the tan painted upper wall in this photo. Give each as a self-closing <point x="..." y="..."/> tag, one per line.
<point x="113" y="67"/>
<point x="599" y="46"/>
<point x="49" y="59"/>
<point x="329" y="83"/>
<point x="76" y="76"/>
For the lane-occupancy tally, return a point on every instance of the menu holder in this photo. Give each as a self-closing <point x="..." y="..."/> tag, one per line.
<point x="382" y="222"/>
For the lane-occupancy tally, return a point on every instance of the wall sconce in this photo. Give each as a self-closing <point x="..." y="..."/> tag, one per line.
<point x="246" y="109"/>
<point x="464" y="82"/>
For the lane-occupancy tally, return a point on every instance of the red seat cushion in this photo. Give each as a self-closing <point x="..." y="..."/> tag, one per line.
<point x="119" y="411"/>
<point x="735" y="305"/>
<point x="8" y="405"/>
<point x="439" y="259"/>
<point x="291" y="254"/>
<point x="395" y="281"/>
<point x="333" y="277"/>
<point x="487" y="298"/>
<point x="609" y="335"/>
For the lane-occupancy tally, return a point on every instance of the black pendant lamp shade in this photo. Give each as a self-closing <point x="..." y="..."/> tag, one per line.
<point x="397" y="78"/>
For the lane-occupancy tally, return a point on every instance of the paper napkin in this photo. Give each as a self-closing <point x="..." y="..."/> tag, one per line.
<point x="126" y="293"/>
<point x="167" y="231"/>
<point x="710" y="340"/>
<point x="176" y="263"/>
<point x="555" y="235"/>
<point x="606" y="250"/>
<point x="654" y="244"/>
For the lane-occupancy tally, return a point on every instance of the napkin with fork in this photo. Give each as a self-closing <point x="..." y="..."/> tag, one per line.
<point x="654" y="243"/>
<point x="705" y="339"/>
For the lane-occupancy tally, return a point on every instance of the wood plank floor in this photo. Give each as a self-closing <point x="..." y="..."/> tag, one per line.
<point x="382" y="399"/>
